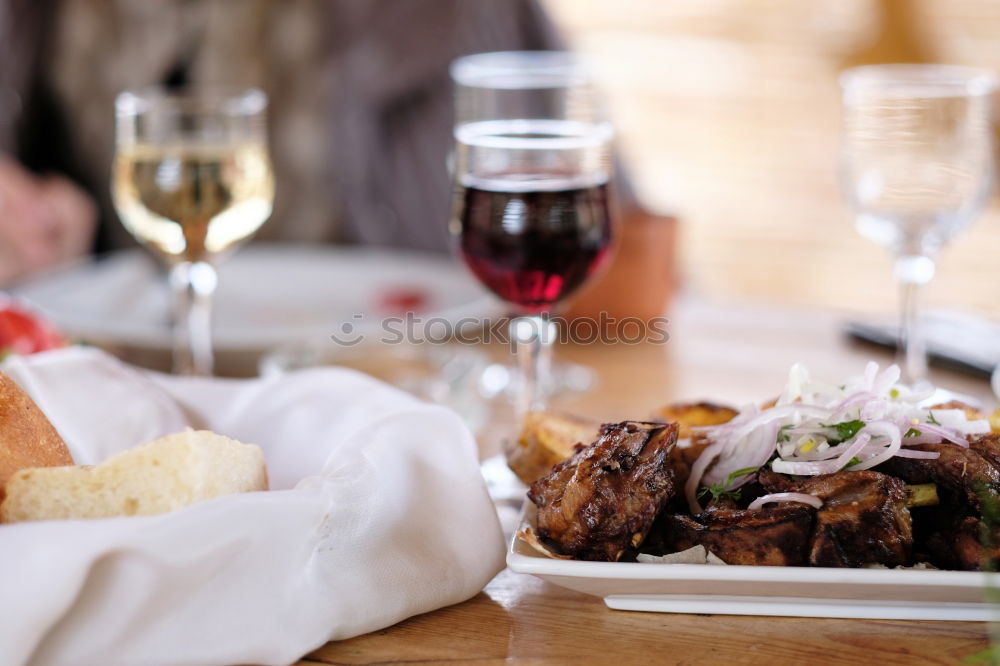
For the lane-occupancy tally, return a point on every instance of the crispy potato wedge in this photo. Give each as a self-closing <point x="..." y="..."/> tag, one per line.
<point x="694" y="415"/>
<point x="547" y="438"/>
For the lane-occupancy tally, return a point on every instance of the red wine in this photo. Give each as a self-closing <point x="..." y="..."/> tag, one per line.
<point x="534" y="248"/>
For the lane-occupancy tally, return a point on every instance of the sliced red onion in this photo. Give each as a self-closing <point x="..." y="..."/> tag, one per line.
<point x="808" y="408"/>
<point x="871" y="370"/>
<point x="910" y="453"/>
<point x="826" y="454"/>
<point x="921" y="439"/>
<point x="904" y="422"/>
<point x="871" y="451"/>
<point x="881" y="429"/>
<point x="873" y="410"/>
<point x="825" y="466"/>
<point x="841" y="409"/>
<point x="706" y="458"/>
<point x="917" y="397"/>
<point x="942" y="433"/>
<point x="752" y="451"/>
<point x="746" y="413"/>
<point x="809" y="427"/>
<point x="884" y="380"/>
<point x="811" y="500"/>
<point x="767" y="416"/>
<point x="798" y="377"/>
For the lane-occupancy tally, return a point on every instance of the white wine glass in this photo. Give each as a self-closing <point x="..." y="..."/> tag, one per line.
<point x="917" y="166"/>
<point x="192" y="180"/>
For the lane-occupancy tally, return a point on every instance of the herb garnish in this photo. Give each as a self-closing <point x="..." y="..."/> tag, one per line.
<point x="931" y="419"/>
<point x="912" y="432"/>
<point x="721" y="489"/>
<point x="850" y="463"/>
<point x="783" y="433"/>
<point x="845" y="430"/>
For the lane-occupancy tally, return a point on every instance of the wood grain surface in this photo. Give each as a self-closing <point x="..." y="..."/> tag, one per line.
<point x="524" y="619"/>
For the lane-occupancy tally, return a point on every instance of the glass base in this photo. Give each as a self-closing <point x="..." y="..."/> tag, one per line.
<point x="500" y="380"/>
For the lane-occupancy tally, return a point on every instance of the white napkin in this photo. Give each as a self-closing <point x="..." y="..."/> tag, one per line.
<point x="377" y="512"/>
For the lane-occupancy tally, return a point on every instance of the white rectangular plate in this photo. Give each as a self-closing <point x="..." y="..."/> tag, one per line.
<point x="785" y="591"/>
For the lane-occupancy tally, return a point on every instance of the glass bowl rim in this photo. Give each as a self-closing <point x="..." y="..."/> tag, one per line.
<point x="920" y="78"/>
<point x="222" y="99"/>
<point x="513" y="70"/>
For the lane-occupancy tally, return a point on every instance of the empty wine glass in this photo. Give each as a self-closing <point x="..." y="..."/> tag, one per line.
<point x="917" y="166"/>
<point x="192" y="180"/>
<point x="532" y="165"/>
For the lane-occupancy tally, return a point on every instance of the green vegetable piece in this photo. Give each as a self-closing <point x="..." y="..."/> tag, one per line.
<point x="845" y="430"/>
<point x="721" y="489"/>
<point x="783" y="433"/>
<point x="850" y="463"/>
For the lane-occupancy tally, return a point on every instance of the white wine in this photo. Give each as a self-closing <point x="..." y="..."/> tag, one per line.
<point x="192" y="202"/>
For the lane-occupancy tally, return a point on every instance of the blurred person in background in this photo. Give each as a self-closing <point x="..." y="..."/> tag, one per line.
<point x="360" y="119"/>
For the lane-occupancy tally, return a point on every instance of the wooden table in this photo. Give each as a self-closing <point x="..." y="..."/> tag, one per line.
<point x="734" y="354"/>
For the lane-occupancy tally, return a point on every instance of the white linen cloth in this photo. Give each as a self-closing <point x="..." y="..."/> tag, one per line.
<point x="377" y="512"/>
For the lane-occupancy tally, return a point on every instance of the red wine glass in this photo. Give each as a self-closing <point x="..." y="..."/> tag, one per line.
<point x="532" y="164"/>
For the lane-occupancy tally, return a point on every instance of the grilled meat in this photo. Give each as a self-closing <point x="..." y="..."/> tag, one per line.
<point x="964" y="542"/>
<point x="950" y="540"/>
<point x="988" y="446"/>
<point x="863" y="520"/>
<point x="603" y="500"/>
<point x="965" y="473"/>
<point x="950" y="534"/>
<point x="774" y="536"/>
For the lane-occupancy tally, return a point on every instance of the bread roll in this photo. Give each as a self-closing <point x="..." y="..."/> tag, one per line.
<point x="161" y="476"/>
<point x="27" y="439"/>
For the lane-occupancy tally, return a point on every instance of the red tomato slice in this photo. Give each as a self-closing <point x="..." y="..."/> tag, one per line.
<point x="23" y="333"/>
<point x="399" y="300"/>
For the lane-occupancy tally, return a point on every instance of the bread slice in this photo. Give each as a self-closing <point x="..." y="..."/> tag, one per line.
<point x="161" y="476"/>
<point x="27" y="438"/>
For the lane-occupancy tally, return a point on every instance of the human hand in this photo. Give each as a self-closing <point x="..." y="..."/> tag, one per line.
<point x="44" y="221"/>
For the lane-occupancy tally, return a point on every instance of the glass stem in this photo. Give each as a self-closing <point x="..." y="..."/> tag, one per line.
<point x="532" y="338"/>
<point x="912" y="273"/>
<point x="193" y="285"/>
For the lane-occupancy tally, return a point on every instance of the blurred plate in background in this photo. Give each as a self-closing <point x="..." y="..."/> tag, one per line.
<point x="267" y="296"/>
